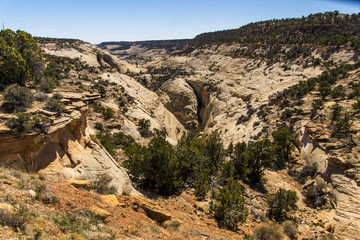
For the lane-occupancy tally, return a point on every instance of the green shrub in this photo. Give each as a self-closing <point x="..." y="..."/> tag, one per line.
<point x="286" y="115"/>
<point x="228" y="205"/>
<point x="144" y="127"/>
<point x="47" y="85"/>
<point x="261" y="157"/>
<point x="242" y="119"/>
<point x="21" y="58"/>
<point x="306" y="172"/>
<point x="28" y="123"/>
<point x="268" y="231"/>
<point x="54" y="105"/>
<point x="316" y="105"/>
<point x="282" y="203"/>
<point x="107" y="140"/>
<point x="111" y="141"/>
<point x="318" y="195"/>
<point x="99" y="126"/>
<point x="17" y="99"/>
<point x="356" y="106"/>
<point x="338" y="92"/>
<point x="102" y="90"/>
<point x="202" y="184"/>
<point x="342" y="126"/>
<point x="356" y="90"/>
<point x="107" y="113"/>
<point x="156" y="165"/>
<point x="284" y="143"/>
<point x="214" y="151"/>
<point x="240" y="158"/>
<point x="324" y="90"/>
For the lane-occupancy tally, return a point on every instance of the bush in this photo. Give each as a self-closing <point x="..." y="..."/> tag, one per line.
<point x="268" y="231"/>
<point x="356" y="106"/>
<point x="17" y="99"/>
<point x="242" y="119"/>
<point x="20" y="57"/>
<point x="241" y="158"/>
<point x="324" y="90"/>
<point x="356" y="91"/>
<point x="156" y="166"/>
<point x="28" y="123"/>
<point x="202" y="184"/>
<point x="102" y="91"/>
<point x="290" y="229"/>
<point x="228" y="205"/>
<point x="318" y="195"/>
<point x="342" y="126"/>
<point x="214" y="151"/>
<point x="12" y="220"/>
<point x="47" y="85"/>
<point x="57" y="96"/>
<point x="336" y="112"/>
<point x="286" y="115"/>
<point x="107" y="113"/>
<point x="99" y="126"/>
<point x="112" y="140"/>
<point x="54" y="105"/>
<point x="284" y="142"/>
<point x="316" y="105"/>
<point x="144" y="126"/>
<point x="261" y="157"/>
<point x="306" y="172"/>
<point x="282" y="203"/>
<point x="101" y="185"/>
<point x="41" y="97"/>
<point x="338" y="92"/>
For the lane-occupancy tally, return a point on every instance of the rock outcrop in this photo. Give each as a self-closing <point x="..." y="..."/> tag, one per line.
<point x="179" y="98"/>
<point x="68" y="151"/>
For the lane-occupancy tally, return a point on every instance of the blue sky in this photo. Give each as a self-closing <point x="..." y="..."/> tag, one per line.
<point x="110" y="20"/>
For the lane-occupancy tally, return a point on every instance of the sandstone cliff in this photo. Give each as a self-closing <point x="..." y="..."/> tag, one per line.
<point x="68" y="151"/>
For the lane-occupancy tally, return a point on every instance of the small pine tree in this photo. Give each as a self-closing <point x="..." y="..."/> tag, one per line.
<point x="336" y="112"/>
<point x="228" y="205"/>
<point x="284" y="143"/>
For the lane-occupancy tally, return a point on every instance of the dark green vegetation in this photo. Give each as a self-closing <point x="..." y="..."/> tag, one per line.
<point x="229" y="205"/>
<point x="107" y="113"/>
<point x="326" y="86"/>
<point x="28" y="123"/>
<point x="17" y="99"/>
<point x="20" y="57"/>
<point x="324" y="29"/>
<point x="166" y="44"/>
<point x="282" y="203"/>
<point x="203" y="164"/>
<point x="54" y="105"/>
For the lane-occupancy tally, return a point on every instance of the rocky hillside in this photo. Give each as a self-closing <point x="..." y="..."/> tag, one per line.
<point x="246" y="83"/>
<point x="231" y="135"/>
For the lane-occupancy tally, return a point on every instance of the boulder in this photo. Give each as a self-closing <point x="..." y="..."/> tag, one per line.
<point x="99" y="211"/>
<point x="110" y="200"/>
<point x="152" y="211"/>
<point x="82" y="184"/>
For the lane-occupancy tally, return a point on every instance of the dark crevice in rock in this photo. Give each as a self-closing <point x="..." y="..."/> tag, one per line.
<point x="200" y="105"/>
